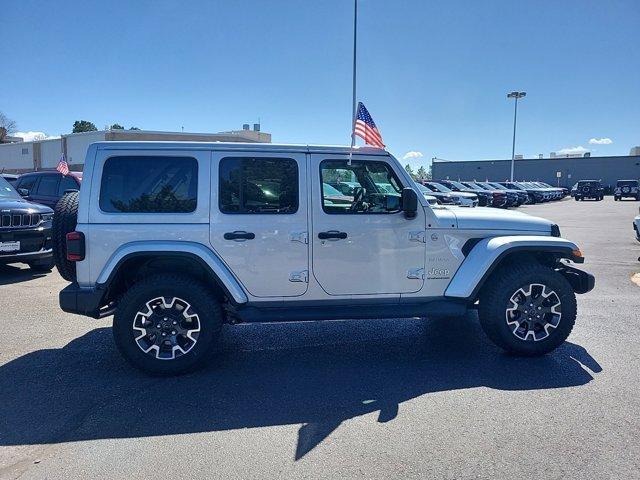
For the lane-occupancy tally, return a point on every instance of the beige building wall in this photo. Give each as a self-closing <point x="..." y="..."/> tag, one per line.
<point x="45" y="154"/>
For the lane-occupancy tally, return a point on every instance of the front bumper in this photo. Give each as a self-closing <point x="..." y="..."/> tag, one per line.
<point x="84" y="301"/>
<point x="581" y="282"/>
<point x="39" y="256"/>
<point x="35" y="244"/>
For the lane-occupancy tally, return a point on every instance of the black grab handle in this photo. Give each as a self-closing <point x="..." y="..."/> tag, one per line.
<point x="332" y="234"/>
<point x="239" y="235"/>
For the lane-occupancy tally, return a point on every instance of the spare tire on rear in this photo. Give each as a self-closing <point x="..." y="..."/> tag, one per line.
<point x="65" y="218"/>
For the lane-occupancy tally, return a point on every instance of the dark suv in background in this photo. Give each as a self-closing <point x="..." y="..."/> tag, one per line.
<point x="626" y="189"/>
<point x="25" y="230"/>
<point x="589" y="189"/>
<point x="47" y="187"/>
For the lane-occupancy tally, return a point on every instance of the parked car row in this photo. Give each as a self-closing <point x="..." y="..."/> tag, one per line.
<point x="26" y="215"/>
<point x="492" y="194"/>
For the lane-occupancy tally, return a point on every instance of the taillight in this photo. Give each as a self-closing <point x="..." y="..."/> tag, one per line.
<point x="75" y="246"/>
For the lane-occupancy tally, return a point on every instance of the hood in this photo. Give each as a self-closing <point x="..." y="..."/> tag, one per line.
<point x="464" y="194"/>
<point x="22" y="206"/>
<point x="485" y="218"/>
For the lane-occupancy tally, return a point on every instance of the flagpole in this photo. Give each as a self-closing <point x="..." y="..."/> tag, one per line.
<point x="353" y="100"/>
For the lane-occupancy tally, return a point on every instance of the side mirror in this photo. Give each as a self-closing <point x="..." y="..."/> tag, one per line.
<point x="23" y="192"/>
<point x="409" y="202"/>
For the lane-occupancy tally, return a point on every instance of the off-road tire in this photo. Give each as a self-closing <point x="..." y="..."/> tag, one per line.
<point x="202" y="301"/>
<point x="65" y="219"/>
<point x="615" y="199"/>
<point x="495" y="298"/>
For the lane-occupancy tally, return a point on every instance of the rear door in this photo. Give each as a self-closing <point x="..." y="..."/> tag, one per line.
<point x="259" y="220"/>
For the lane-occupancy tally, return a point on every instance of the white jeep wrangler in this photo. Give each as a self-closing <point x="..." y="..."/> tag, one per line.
<point x="175" y="239"/>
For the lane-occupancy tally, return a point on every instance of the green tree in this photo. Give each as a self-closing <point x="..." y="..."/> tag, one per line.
<point x="421" y="173"/>
<point x="83" y="126"/>
<point x="409" y="170"/>
<point x="134" y="128"/>
<point x="116" y="126"/>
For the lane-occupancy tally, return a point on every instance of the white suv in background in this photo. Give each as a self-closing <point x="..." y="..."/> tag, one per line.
<point x="175" y="239"/>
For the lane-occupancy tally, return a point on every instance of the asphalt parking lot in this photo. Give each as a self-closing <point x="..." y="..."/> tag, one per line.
<point x="373" y="399"/>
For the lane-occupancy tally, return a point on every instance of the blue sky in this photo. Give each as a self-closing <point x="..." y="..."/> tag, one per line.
<point x="433" y="74"/>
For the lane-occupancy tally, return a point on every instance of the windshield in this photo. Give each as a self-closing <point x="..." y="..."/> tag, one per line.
<point x="498" y="186"/>
<point x="473" y="186"/>
<point x="424" y="190"/>
<point x="458" y="185"/>
<point x="438" y="187"/>
<point x="329" y="190"/>
<point x="7" y="191"/>
<point x="627" y="183"/>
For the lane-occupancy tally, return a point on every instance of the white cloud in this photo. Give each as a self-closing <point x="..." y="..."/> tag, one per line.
<point x="412" y="155"/>
<point x="30" y="136"/>
<point x="572" y="150"/>
<point x="600" y="141"/>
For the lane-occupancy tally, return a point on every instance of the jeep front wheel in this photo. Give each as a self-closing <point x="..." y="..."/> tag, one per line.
<point x="528" y="309"/>
<point x="167" y="324"/>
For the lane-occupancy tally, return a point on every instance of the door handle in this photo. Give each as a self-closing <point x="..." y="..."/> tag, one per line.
<point x="332" y="234"/>
<point x="239" y="235"/>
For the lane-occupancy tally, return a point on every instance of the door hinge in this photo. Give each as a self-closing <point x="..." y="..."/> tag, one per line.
<point x="301" y="237"/>
<point x="302" y="276"/>
<point x="418" y="236"/>
<point x="417" y="273"/>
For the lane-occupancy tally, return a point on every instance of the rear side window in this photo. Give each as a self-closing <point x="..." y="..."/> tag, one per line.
<point x="48" y="186"/>
<point x="67" y="183"/>
<point x="148" y="184"/>
<point x="27" y="183"/>
<point x="258" y="185"/>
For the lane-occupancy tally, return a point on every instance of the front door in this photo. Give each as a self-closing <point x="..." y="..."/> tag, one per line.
<point x="259" y="220"/>
<point x="362" y="242"/>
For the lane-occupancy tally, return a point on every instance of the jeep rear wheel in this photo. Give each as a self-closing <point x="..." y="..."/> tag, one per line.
<point x="528" y="309"/>
<point x="167" y="324"/>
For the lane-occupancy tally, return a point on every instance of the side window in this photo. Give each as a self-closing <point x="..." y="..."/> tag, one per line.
<point x="146" y="184"/>
<point x="258" y="185"/>
<point x="362" y="187"/>
<point x="67" y="183"/>
<point x="27" y="183"/>
<point x="48" y="186"/>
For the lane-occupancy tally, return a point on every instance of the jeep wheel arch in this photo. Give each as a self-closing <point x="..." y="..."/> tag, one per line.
<point x="196" y="260"/>
<point x="491" y="252"/>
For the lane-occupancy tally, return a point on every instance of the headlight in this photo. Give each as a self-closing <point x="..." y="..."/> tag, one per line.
<point x="47" y="217"/>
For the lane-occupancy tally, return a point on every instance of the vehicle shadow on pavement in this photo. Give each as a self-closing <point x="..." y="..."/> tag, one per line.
<point x="84" y="390"/>
<point x="10" y="274"/>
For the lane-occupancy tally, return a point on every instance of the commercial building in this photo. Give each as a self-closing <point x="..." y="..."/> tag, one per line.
<point x="563" y="171"/>
<point x="20" y="157"/>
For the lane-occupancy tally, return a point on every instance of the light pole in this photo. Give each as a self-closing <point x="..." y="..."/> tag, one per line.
<point x="515" y="95"/>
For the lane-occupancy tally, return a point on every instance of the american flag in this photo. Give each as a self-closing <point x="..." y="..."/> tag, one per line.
<point x="63" y="166"/>
<point x="366" y="128"/>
